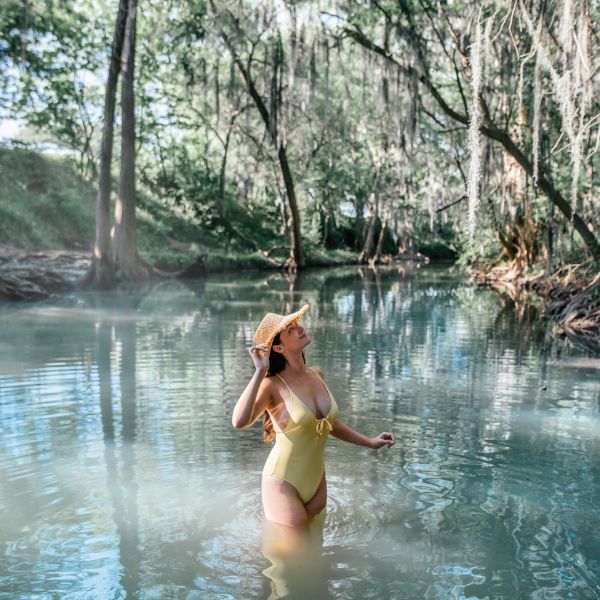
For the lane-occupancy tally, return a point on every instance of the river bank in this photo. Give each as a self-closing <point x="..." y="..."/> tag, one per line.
<point x="570" y="296"/>
<point x="31" y="275"/>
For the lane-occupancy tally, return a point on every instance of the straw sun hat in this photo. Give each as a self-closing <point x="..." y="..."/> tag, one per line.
<point x="273" y="324"/>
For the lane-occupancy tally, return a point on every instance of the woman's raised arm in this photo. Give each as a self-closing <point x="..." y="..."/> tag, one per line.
<point x="253" y="401"/>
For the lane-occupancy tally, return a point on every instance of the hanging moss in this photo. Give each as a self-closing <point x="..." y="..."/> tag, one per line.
<point x="474" y="174"/>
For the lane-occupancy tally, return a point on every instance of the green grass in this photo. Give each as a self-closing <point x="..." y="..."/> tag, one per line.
<point x="43" y="202"/>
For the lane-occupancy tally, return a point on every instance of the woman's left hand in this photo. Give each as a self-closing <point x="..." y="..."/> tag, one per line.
<point x="383" y="439"/>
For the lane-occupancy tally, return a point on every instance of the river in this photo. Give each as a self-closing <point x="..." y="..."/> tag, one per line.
<point x="121" y="476"/>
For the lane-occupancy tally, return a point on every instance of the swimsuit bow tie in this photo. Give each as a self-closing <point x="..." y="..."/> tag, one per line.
<point x="320" y="424"/>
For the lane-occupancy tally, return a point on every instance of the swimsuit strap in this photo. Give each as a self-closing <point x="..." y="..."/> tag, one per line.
<point x="311" y="369"/>
<point x="286" y="385"/>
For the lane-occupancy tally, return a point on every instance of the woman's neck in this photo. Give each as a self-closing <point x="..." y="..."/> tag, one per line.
<point x="295" y="365"/>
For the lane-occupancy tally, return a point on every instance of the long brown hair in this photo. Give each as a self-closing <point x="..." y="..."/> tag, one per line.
<point x="277" y="363"/>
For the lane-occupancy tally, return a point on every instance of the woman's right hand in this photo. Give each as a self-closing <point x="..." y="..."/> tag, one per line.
<point x="260" y="356"/>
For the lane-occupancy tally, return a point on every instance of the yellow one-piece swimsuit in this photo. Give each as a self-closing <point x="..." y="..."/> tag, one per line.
<point x="298" y="454"/>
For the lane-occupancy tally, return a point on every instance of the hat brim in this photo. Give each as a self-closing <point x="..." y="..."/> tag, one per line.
<point x="286" y="321"/>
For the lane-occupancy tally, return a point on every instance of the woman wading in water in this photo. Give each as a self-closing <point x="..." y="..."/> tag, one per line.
<point x="299" y="413"/>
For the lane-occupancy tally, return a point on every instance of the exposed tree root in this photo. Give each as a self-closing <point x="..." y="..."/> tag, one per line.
<point x="571" y="295"/>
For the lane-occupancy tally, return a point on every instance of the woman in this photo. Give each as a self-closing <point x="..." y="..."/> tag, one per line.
<point x="299" y="412"/>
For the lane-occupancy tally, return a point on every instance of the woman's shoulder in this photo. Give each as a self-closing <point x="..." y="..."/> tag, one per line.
<point x="319" y="372"/>
<point x="270" y="385"/>
<point x="268" y="382"/>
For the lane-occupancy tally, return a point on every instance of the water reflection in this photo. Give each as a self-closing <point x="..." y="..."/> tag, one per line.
<point x="297" y="567"/>
<point x="121" y="477"/>
<point x="121" y="480"/>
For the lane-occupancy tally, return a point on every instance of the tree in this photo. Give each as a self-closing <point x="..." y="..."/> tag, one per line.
<point x="47" y="51"/>
<point x="410" y="23"/>
<point x="125" y="256"/>
<point x="101" y="274"/>
<point x="271" y="121"/>
<point x="115" y="253"/>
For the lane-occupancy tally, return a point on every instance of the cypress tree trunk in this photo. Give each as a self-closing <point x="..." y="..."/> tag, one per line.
<point x="125" y="256"/>
<point x="101" y="274"/>
<point x="366" y="251"/>
<point x="373" y="212"/>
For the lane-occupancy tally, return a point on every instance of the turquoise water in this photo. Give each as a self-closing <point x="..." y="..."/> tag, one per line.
<point x="121" y="476"/>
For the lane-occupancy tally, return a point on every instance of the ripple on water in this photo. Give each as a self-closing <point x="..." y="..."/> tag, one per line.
<point x="451" y="581"/>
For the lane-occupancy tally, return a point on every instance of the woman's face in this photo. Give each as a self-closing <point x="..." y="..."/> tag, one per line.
<point x="294" y="337"/>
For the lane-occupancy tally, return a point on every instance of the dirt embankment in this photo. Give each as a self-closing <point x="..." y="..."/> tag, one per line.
<point x="570" y="296"/>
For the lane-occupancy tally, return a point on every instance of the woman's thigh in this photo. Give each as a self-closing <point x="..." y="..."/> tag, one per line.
<point x="318" y="502"/>
<point x="281" y="502"/>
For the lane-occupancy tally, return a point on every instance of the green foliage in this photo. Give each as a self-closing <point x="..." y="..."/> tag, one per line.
<point x="356" y="127"/>
<point x="317" y="256"/>
<point x="52" y="57"/>
<point x="439" y="244"/>
<point x="45" y="204"/>
<point x="220" y="260"/>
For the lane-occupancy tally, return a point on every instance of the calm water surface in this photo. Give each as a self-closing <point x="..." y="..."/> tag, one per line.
<point x="121" y="476"/>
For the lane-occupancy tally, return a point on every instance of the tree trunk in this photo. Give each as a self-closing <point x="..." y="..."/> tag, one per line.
<point x="373" y="210"/>
<point x="296" y="260"/>
<point x="101" y="273"/>
<point x="377" y="255"/>
<point x="358" y="224"/>
<point x="221" y="203"/>
<point x="125" y="256"/>
<point x="366" y="251"/>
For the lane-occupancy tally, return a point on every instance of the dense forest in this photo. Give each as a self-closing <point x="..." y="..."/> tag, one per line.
<point x="280" y="129"/>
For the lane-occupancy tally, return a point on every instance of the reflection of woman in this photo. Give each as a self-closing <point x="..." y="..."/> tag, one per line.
<point x="299" y="412"/>
<point x="298" y="568"/>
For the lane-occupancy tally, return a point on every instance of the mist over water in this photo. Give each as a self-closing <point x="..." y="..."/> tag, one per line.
<point x="121" y="476"/>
